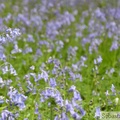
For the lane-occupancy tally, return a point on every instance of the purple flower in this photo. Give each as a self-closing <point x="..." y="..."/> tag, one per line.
<point x="114" y="46"/>
<point x="44" y="75"/>
<point x="52" y="82"/>
<point x="107" y="93"/>
<point x="75" y="115"/>
<point x="100" y="15"/>
<point x="69" y="106"/>
<point x="77" y="95"/>
<point x="82" y="111"/>
<point x="64" y="116"/>
<point x="98" y="60"/>
<point x="56" y="118"/>
<point x="72" y="88"/>
<point x="97" y="113"/>
<point x="113" y="89"/>
<point x="30" y="38"/>
<point x="17" y="98"/>
<point x="59" y="100"/>
<point x="42" y="99"/>
<point x="112" y="70"/>
<point x="27" y="50"/>
<point x="6" y="115"/>
<point x="74" y="103"/>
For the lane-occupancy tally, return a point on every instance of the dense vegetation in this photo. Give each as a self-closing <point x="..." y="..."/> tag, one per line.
<point x="59" y="59"/>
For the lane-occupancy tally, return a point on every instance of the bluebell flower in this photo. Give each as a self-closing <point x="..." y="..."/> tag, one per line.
<point x="107" y="93"/>
<point x="17" y="98"/>
<point x="27" y="50"/>
<point x="114" y="46"/>
<point x="37" y="111"/>
<point x="68" y="106"/>
<point x="39" y="52"/>
<point x="56" y="118"/>
<point x="45" y="94"/>
<point x="1" y="99"/>
<point x="64" y="116"/>
<point x="26" y="119"/>
<point x="39" y="117"/>
<point x="42" y="99"/>
<point x="7" y="115"/>
<point x="72" y="88"/>
<point x="77" y="95"/>
<point x="59" y="100"/>
<point x="44" y="75"/>
<point x="97" y="113"/>
<point x="100" y="15"/>
<point x="75" y="115"/>
<point x="113" y="89"/>
<point x="11" y="34"/>
<point x="112" y="70"/>
<point x="74" y="103"/>
<point x="30" y="38"/>
<point x="82" y="111"/>
<point x="98" y="60"/>
<point x="36" y="21"/>
<point x="1" y="81"/>
<point x="52" y="82"/>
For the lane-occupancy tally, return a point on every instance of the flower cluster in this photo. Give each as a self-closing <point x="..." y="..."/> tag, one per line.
<point x="59" y="59"/>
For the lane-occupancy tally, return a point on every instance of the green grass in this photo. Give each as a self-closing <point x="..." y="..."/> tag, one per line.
<point x="91" y="81"/>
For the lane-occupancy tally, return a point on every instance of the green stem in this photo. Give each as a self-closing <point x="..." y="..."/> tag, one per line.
<point x="51" y="113"/>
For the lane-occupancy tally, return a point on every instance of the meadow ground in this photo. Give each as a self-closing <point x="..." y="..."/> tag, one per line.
<point x="59" y="59"/>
